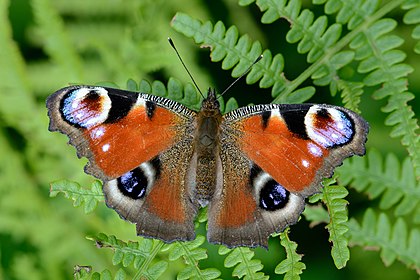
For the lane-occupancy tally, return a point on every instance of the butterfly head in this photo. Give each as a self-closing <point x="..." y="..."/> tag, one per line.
<point x="210" y="104"/>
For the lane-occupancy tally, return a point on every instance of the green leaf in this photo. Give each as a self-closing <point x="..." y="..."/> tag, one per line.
<point x="291" y="266"/>
<point x="191" y="254"/>
<point x="298" y="96"/>
<point x="139" y="254"/>
<point x="79" y="195"/>
<point x="242" y="259"/>
<point x="393" y="240"/>
<point x="337" y="227"/>
<point x="372" y="174"/>
<point x="231" y="105"/>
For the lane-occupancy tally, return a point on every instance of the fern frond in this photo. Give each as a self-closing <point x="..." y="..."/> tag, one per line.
<point x="192" y="254"/>
<point x="336" y="217"/>
<point x="79" y="195"/>
<point x="350" y="94"/>
<point x="413" y="17"/>
<point x="139" y="254"/>
<point x="292" y="266"/>
<point x="379" y="60"/>
<point x="12" y="65"/>
<point x="333" y="197"/>
<point x="242" y="259"/>
<point x="240" y="53"/>
<point x="392" y="239"/>
<point x="17" y="106"/>
<point x="374" y="176"/>
<point x="315" y="37"/>
<point x="57" y="41"/>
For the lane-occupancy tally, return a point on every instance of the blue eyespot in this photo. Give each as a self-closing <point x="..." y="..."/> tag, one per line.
<point x="133" y="184"/>
<point x="273" y="196"/>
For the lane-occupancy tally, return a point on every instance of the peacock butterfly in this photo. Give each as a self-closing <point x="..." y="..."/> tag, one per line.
<point x="160" y="161"/>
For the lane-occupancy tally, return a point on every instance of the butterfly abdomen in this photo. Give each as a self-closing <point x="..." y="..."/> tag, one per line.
<point x="207" y="148"/>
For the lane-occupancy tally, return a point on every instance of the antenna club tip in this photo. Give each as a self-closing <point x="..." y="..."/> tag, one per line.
<point x="259" y="58"/>
<point x="171" y="42"/>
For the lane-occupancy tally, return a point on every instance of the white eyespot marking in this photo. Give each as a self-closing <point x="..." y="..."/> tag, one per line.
<point x="305" y="163"/>
<point x="328" y="127"/>
<point x="141" y="102"/>
<point x="97" y="132"/>
<point x="276" y="113"/>
<point x="86" y="107"/>
<point x="149" y="172"/>
<point x="105" y="148"/>
<point x="315" y="150"/>
<point x="261" y="180"/>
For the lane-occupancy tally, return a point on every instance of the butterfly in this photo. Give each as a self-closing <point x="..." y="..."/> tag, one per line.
<point x="161" y="161"/>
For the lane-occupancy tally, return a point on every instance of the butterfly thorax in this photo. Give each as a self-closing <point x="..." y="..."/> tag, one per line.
<point x="207" y="146"/>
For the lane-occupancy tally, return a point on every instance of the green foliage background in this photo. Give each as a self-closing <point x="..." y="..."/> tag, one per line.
<point x="360" y="54"/>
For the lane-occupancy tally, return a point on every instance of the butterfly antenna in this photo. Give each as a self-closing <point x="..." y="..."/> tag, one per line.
<point x="243" y="74"/>
<point x="185" y="67"/>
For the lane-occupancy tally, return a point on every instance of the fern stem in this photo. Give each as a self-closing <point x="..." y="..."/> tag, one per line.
<point x="149" y="259"/>
<point x="189" y="259"/>
<point x="246" y="262"/>
<point x="342" y="43"/>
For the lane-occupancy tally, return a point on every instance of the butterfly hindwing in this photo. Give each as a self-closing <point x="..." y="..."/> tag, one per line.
<point x="155" y="196"/>
<point x="282" y="152"/>
<point x="140" y="146"/>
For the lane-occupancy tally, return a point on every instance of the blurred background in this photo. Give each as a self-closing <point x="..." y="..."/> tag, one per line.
<point x="46" y="45"/>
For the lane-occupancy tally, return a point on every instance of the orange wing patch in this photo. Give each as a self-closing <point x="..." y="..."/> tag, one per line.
<point x="290" y="160"/>
<point x="165" y="200"/>
<point x="239" y="205"/>
<point x="120" y="147"/>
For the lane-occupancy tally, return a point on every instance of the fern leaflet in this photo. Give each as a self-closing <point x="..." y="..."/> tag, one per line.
<point x="242" y="259"/>
<point x="413" y="17"/>
<point x="332" y="196"/>
<point x="141" y="254"/>
<point x="192" y="254"/>
<point x="79" y="195"/>
<point x="291" y="267"/>
<point x="392" y="239"/>
<point x="397" y="183"/>
<point x="336" y="217"/>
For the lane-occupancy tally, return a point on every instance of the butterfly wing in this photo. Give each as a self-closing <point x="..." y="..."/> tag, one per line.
<point x="139" y="145"/>
<point x="273" y="157"/>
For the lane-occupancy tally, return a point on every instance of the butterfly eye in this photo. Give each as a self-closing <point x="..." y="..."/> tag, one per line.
<point x="273" y="196"/>
<point x="133" y="183"/>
